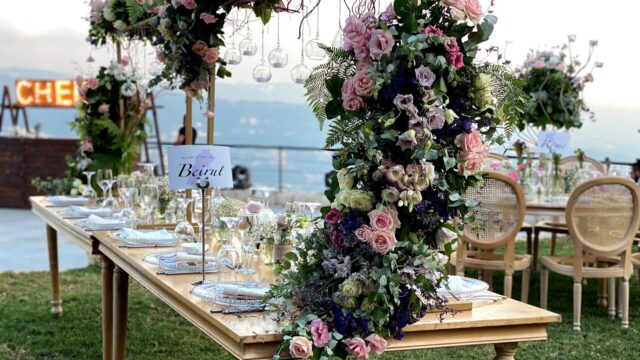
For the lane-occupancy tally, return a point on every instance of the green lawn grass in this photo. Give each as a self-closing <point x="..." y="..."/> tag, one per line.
<point x="27" y="330"/>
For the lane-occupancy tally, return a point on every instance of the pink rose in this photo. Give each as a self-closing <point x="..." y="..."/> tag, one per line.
<point x="388" y="14"/>
<point x="381" y="220"/>
<point x="432" y="30"/>
<point x="470" y="142"/>
<point x="208" y="18"/>
<point x="319" y="333"/>
<point x="92" y="83"/>
<point x="394" y="215"/>
<point x="458" y="4"/>
<point x="382" y="242"/>
<point x="87" y="145"/>
<point x="539" y="64"/>
<point x="514" y="175"/>
<point x="495" y="166"/>
<point x="333" y="216"/>
<point x="451" y="45"/>
<point x="357" y="347"/>
<point x="560" y="67"/>
<point x="281" y="219"/>
<point x="103" y="108"/>
<point x="353" y="103"/>
<point x="471" y="162"/>
<point x="377" y="344"/>
<point x="355" y="33"/>
<point x="126" y="60"/>
<point x="189" y="4"/>
<point x="300" y="347"/>
<point x="364" y="233"/>
<point x="363" y="84"/>
<point x="381" y="43"/>
<point x="473" y="10"/>
<point x="200" y="47"/>
<point x="348" y="88"/>
<point x="211" y="56"/>
<point x="455" y="59"/>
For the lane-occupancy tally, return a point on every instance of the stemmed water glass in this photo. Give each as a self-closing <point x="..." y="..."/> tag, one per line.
<point x="260" y="195"/>
<point x="128" y="191"/>
<point x="149" y="195"/>
<point x="106" y="181"/>
<point x="312" y="206"/>
<point x="228" y="255"/>
<point x="184" y="229"/>
<point x="148" y="169"/>
<point x="247" y="232"/>
<point x="89" y="192"/>
<point x="202" y="214"/>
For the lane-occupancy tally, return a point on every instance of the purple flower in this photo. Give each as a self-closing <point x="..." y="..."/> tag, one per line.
<point x="435" y="118"/>
<point x="388" y="14"/>
<point x="407" y="140"/>
<point x="403" y="102"/>
<point x="425" y="76"/>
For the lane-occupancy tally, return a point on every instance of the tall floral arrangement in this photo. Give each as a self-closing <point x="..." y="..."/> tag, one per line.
<point x="110" y="119"/>
<point x="555" y="81"/>
<point x="411" y="115"/>
<point x="116" y="20"/>
<point x="190" y="34"/>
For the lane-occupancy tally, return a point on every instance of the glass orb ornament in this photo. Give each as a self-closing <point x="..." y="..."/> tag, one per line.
<point x="300" y="73"/>
<point x="338" y="40"/>
<point x="128" y="89"/>
<point x="232" y="56"/>
<point x="313" y="50"/>
<point x="248" y="47"/>
<point x="262" y="73"/>
<point x="278" y="58"/>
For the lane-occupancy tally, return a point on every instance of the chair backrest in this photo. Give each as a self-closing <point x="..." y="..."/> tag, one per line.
<point x="588" y="163"/>
<point x="603" y="215"/>
<point x="494" y="159"/>
<point x="499" y="213"/>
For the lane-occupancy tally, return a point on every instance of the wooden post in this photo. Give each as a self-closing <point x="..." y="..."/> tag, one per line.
<point x="107" y="308"/>
<point x="121" y="100"/>
<point x="120" y="300"/>
<point x="188" y="135"/>
<point x="52" y="242"/>
<point x="211" y="105"/>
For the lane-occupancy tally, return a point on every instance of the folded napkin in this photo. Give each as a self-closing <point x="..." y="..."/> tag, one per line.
<point x="155" y="235"/>
<point x="234" y="291"/>
<point x="183" y="256"/>
<point x="97" y="220"/>
<point x="68" y="200"/>
<point x="86" y="211"/>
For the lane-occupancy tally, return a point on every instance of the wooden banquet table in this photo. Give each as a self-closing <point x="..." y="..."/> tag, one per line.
<point x="254" y="335"/>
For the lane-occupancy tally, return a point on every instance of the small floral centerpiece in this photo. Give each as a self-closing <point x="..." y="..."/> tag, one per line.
<point x="555" y="81"/>
<point x="411" y="115"/>
<point x="110" y="134"/>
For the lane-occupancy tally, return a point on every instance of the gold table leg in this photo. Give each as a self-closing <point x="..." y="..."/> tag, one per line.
<point x="52" y="243"/>
<point x="505" y="351"/>
<point x="107" y="308"/>
<point x="120" y="299"/>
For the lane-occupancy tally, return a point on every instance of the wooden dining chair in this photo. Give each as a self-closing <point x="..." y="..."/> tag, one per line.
<point x="602" y="218"/>
<point x="556" y="226"/>
<point x="495" y="223"/>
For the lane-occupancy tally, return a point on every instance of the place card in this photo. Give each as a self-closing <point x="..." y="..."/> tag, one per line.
<point x="189" y="164"/>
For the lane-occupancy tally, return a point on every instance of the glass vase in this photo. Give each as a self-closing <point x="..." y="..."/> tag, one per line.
<point x="266" y="250"/>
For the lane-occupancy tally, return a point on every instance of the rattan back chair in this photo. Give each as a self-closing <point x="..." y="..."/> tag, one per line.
<point x="495" y="222"/>
<point x="588" y="163"/>
<point x="602" y="218"/>
<point x="492" y="158"/>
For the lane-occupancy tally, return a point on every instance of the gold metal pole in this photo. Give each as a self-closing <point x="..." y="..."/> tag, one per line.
<point x="121" y="100"/>
<point x="188" y="134"/>
<point x="211" y="105"/>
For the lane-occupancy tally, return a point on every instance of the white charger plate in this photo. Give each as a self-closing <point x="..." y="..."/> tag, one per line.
<point x="139" y="242"/>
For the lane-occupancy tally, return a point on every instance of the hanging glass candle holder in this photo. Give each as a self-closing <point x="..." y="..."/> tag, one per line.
<point x="247" y="46"/>
<point x="128" y="89"/>
<point x="313" y="49"/>
<point x="262" y="73"/>
<point x="278" y="58"/>
<point x="300" y="73"/>
<point x="232" y="56"/>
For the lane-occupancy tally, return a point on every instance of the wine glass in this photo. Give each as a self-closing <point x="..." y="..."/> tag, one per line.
<point x="184" y="229"/>
<point x="148" y="169"/>
<point x="260" y="195"/>
<point x="128" y="191"/>
<point x="202" y="214"/>
<point x="149" y="195"/>
<point x="247" y="227"/>
<point x="228" y="255"/>
<point x="105" y="181"/>
<point x="312" y="206"/>
<point x="89" y="192"/>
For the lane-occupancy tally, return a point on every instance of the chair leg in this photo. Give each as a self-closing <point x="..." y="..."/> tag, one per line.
<point x="536" y="242"/>
<point x="544" y="286"/>
<point x="612" y="297"/>
<point x="619" y="309"/>
<point x="529" y="241"/>
<point x="508" y="284"/>
<point x="554" y="237"/>
<point x="625" y="303"/>
<point x="577" y="302"/>
<point x="526" y="274"/>
<point x="487" y="276"/>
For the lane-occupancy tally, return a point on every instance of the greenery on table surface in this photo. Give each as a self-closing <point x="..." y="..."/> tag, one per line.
<point x="27" y="330"/>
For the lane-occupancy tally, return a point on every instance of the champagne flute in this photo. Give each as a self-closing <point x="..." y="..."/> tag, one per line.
<point x="184" y="229"/>
<point x="105" y="181"/>
<point x="149" y="199"/>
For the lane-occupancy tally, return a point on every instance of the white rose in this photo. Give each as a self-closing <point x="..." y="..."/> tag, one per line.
<point x="444" y="236"/>
<point x="359" y="200"/>
<point x="345" y="179"/>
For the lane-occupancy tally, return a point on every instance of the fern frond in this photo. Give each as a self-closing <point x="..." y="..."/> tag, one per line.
<point x="340" y="63"/>
<point x="511" y="100"/>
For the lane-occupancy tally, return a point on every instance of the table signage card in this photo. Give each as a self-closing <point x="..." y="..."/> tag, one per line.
<point x="552" y="141"/>
<point x="190" y="163"/>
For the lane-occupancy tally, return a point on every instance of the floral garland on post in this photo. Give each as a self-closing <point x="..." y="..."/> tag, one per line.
<point x="117" y="20"/>
<point x="104" y="143"/>
<point x="554" y="81"/>
<point x="411" y="113"/>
